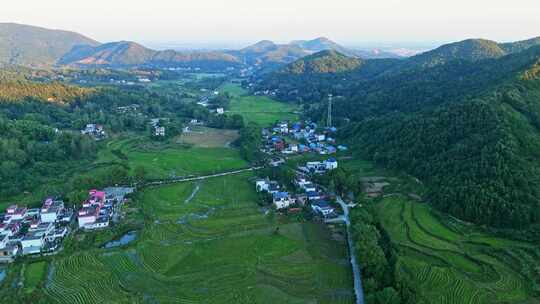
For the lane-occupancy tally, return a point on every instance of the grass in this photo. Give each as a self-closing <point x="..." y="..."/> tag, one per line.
<point x="34" y="273"/>
<point x="202" y="137"/>
<point x="233" y="89"/>
<point x="449" y="265"/>
<point x="262" y="110"/>
<point x="208" y="242"/>
<point x="163" y="160"/>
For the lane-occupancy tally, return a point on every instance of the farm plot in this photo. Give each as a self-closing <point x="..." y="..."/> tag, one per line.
<point x="262" y="110"/>
<point x="450" y="265"/>
<point x="217" y="247"/>
<point x="202" y="137"/>
<point x="164" y="159"/>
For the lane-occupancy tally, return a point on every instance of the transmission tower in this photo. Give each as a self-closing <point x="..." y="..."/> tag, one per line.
<point x="329" y="118"/>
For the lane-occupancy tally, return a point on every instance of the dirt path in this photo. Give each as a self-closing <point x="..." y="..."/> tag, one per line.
<point x="197" y="188"/>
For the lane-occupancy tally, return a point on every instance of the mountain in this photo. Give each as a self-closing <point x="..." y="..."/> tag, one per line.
<point x="36" y="47"/>
<point x="329" y="61"/>
<point x="321" y="44"/>
<point x="467" y="126"/>
<point x="121" y="53"/>
<point x="126" y="53"/>
<point x="471" y="50"/>
<point x="271" y="56"/>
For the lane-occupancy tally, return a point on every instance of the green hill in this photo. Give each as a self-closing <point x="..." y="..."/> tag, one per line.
<point x="323" y="62"/>
<point x="36" y="47"/>
<point x="464" y="119"/>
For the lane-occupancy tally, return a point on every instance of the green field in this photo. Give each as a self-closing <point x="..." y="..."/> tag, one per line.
<point x="164" y="159"/>
<point x="260" y="109"/>
<point x="34" y="274"/>
<point x="209" y="242"/>
<point x="233" y="89"/>
<point x="450" y="262"/>
<point x="203" y="137"/>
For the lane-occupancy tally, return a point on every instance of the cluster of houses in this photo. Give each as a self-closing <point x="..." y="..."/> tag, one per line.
<point x="94" y="130"/>
<point x="309" y="194"/>
<point x="159" y="130"/>
<point x="101" y="207"/>
<point x="300" y="137"/>
<point x="29" y="231"/>
<point x="26" y="231"/>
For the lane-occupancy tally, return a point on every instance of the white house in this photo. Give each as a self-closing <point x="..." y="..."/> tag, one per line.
<point x="322" y="207"/>
<point x="8" y="251"/>
<point x="331" y="164"/>
<point x="309" y="187"/>
<point x="51" y="210"/>
<point x="159" y="131"/>
<point x="32" y="242"/>
<point x="282" y="200"/>
<point x="262" y="185"/>
<point x="220" y="111"/>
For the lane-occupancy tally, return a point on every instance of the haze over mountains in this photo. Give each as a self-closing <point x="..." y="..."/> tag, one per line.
<point x="38" y="47"/>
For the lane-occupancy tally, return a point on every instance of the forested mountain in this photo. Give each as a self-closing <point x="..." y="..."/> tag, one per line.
<point x="322" y="62"/>
<point x="471" y="50"/>
<point x="468" y="128"/>
<point x="35" y="46"/>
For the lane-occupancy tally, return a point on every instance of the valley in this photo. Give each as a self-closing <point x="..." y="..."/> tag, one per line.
<point x="132" y="175"/>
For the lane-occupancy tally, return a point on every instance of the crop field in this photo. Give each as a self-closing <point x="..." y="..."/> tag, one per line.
<point x="164" y="160"/>
<point x="233" y="89"/>
<point x="262" y="110"/>
<point x="203" y="137"/>
<point x="209" y="242"/>
<point x="454" y="263"/>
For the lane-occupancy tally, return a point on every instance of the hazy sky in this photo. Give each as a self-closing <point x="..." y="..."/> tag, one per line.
<point x="345" y="21"/>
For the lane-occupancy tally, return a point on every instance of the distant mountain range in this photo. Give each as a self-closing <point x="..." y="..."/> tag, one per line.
<point x="38" y="47"/>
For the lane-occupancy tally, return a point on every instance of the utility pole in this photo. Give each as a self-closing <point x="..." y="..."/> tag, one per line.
<point x="329" y="118"/>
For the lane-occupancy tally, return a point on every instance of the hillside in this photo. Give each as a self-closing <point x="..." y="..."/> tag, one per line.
<point x="474" y="145"/>
<point x="471" y="50"/>
<point x="36" y="47"/>
<point x="322" y="62"/>
<point x="468" y="128"/>
<point x="126" y="53"/>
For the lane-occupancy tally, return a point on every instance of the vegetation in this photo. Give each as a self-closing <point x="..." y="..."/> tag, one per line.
<point x="35" y="46"/>
<point x="262" y="110"/>
<point x="468" y="129"/>
<point x="206" y="241"/>
<point x="442" y="260"/>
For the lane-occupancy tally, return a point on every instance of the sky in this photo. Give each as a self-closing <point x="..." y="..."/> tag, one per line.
<point x="237" y="22"/>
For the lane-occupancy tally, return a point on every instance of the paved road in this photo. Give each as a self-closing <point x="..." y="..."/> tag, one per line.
<point x="355" y="267"/>
<point x="196" y="178"/>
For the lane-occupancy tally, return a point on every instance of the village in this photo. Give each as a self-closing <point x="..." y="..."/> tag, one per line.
<point x="300" y="137"/>
<point x="41" y="231"/>
<point x="286" y="139"/>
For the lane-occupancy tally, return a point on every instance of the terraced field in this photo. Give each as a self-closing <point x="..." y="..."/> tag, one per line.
<point x="209" y="242"/>
<point x="454" y="263"/>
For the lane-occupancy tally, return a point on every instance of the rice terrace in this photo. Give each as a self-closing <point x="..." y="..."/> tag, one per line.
<point x="455" y="263"/>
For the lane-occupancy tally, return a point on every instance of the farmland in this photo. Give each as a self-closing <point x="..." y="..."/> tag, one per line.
<point x="451" y="262"/>
<point x="169" y="159"/>
<point x="209" y="242"/>
<point x="203" y="137"/>
<point x="262" y="110"/>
